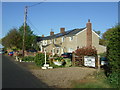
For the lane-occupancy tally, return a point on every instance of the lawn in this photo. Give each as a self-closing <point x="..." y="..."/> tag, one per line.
<point x="97" y="80"/>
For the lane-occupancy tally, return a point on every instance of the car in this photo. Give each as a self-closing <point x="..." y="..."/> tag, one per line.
<point x="10" y="53"/>
<point x="67" y="55"/>
<point x="2" y="52"/>
<point x="32" y="50"/>
<point x="103" y="61"/>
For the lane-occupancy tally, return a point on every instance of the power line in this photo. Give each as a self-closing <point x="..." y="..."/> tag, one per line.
<point x="37" y="4"/>
<point x="33" y="25"/>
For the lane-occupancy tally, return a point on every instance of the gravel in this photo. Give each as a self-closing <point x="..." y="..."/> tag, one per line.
<point x="62" y="77"/>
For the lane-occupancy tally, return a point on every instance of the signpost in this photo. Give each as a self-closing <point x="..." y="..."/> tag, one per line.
<point x="46" y="66"/>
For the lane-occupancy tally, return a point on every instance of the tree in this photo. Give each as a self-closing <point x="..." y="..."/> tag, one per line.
<point x="98" y="32"/>
<point x="113" y="52"/>
<point x="11" y="39"/>
<point x="29" y="37"/>
<point x="14" y="38"/>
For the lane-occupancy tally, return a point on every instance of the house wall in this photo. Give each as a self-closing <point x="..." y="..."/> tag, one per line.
<point x="79" y="40"/>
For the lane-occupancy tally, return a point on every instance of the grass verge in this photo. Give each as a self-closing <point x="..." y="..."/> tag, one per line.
<point x="97" y="80"/>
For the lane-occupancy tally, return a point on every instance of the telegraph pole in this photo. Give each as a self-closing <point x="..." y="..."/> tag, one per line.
<point x="25" y="18"/>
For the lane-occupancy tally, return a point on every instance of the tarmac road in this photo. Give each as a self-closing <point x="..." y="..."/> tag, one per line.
<point x="14" y="76"/>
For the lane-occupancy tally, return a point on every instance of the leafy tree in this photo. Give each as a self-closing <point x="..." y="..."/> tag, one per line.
<point x="15" y="38"/>
<point x="102" y="42"/>
<point x="98" y="32"/>
<point x="11" y="39"/>
<point x="113" y="52"/>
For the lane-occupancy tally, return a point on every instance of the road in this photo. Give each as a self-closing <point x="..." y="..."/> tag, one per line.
<point x="14" y="76"/>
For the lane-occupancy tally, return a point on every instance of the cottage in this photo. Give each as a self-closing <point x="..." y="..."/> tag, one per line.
<point x="69" y="41"/>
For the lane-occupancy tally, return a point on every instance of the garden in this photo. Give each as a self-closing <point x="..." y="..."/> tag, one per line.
<point x="53" y="61"/>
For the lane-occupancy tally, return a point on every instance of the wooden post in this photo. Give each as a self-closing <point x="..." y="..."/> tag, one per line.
<point x="73" y="59"/>
<point x="98" y="63"/>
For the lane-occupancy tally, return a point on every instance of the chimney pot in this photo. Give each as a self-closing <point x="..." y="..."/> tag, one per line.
<point x="51" y="33"/>
<point x="62" y="30"/>
<point x="42" y="35"/>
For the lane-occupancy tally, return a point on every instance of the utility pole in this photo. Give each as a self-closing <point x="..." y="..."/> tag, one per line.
<point x="25" y="18"/>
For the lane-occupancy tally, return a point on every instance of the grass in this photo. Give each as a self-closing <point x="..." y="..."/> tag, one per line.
<point x="97" y="80"/>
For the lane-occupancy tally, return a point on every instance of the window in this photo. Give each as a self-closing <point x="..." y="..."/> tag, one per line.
<point x="50" y="41"/>
<point x="71" y="38"/>
<point x="54" y="40"/>
<point x="63" y="39"/>
<point x="45" y="42"/>
<point x="70" y="50"/>
<point x="57" y="51"/>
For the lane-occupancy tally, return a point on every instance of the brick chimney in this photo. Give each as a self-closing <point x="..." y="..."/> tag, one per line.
<point x="42" y="35"/>
<point x="89" y="33"/>
<point x="51" y="33"/>
<point x="62" y="30"/>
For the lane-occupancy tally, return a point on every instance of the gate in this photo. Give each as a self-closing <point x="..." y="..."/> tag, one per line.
<point x="80" y="61"/>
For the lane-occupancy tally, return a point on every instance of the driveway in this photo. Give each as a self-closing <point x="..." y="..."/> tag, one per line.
<point x="63" y="77"/>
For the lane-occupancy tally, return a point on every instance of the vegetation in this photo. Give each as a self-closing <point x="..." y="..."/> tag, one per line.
<point x="28" y="58"/>
<point x="29" y="37"/>
<point x="59" y="58"/>
<point x="14" y="38"/>
<point x="40" y="59"/>
<point x="11" y="39"/>
<point x="112" y="37"/>
<point x="86" y="51"/>
<point x="97" y="80"/>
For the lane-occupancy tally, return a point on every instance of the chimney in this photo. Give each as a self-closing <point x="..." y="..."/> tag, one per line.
<point x="62" y="30"/>
<point x="51" y="33"/>
<point x="42" y="35"/>
<point x="89" y="33"/>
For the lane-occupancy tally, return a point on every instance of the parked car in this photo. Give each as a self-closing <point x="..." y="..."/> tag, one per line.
<point x="32" y="50"/>
<point x="2" y="52"/>
<point x="67" y="55"/>
<point x="103" y="61"/>
<point x="10" y="53"/>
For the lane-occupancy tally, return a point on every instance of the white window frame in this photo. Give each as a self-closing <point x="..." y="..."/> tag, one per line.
<point x="44" y="42"/>
<point x="70" y="50"/>
<point x="63" y="39"/>
<point x="71" y="38"/>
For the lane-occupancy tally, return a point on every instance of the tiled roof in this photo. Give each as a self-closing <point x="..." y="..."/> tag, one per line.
<point x="67" y="33"/>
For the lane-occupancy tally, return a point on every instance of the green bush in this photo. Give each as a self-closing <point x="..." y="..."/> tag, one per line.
<point x="113" y="79"/>
<point x="68" y="62"/>
<point x="59" y="58"/>
<point x="40" y="59"/>
<point x="28" y="58"/>
<point x="113" y="52"/>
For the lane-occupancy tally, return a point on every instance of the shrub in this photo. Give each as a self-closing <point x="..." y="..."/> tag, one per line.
<point x="89" y="51"/>
<point x="113" y="54"/>
<point x="59" y="58"/>
<point x="55" y="55"/>
<point x="113" y="79"/>
<point x="40" y="59"/>
<point x="28" y="58"/>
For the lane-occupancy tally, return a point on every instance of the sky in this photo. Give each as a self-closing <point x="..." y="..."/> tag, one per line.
<point x="54" y="15"/>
